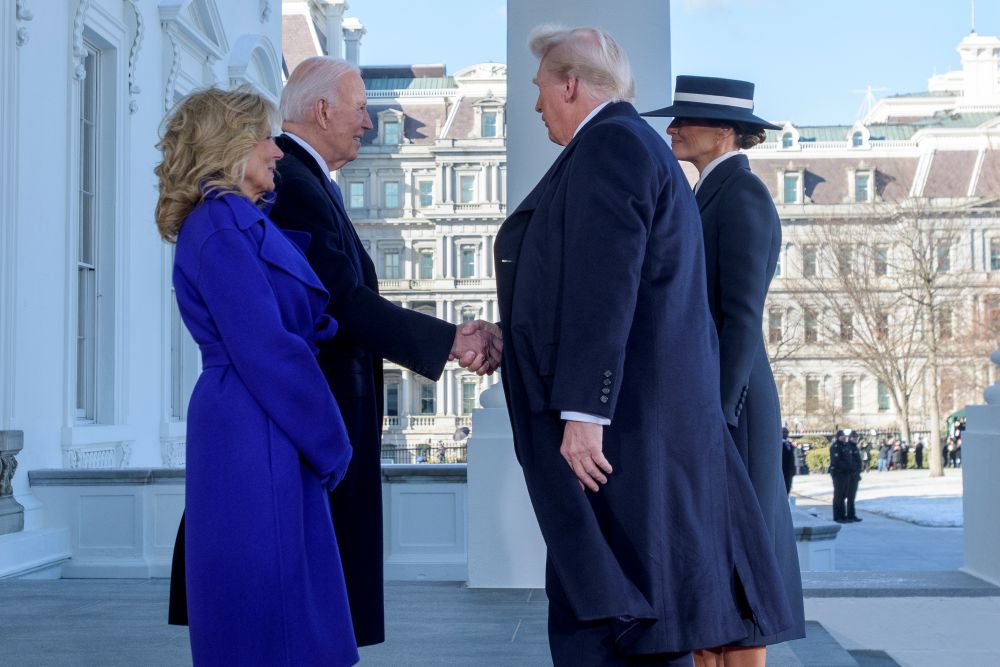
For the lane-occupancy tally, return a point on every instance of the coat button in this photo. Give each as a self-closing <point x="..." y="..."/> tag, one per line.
<point x="604" y="399"/>
<point x="607" y="374"/>
<point x="605" y="391"/>
<point x="607" y="383"/>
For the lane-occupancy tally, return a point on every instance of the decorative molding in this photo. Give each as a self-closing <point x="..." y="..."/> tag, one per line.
<point x="173" y="452"/>
<point x="175" y="66"/>
<point x="133" y="56"/>
<point x="23" y="14"/>
<point x="79" y="51"/>
<point x="101" y="455"/>
<point x="265" y="11"/>
<point x="11" y="512"/>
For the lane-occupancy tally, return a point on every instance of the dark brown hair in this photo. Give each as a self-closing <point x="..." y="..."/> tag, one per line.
<point x="748" y="136"/>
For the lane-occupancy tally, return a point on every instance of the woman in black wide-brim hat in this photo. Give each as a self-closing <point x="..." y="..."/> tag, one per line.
<point x="712" y="120"/>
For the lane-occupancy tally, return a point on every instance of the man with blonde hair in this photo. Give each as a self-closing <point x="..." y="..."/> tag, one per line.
<point x="611" y="372"/>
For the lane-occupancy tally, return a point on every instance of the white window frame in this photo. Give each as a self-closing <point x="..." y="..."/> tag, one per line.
<point x="350" y="195"/>
<point x="385" y="195"/>
<point x="852" y="183"/>
<point x="798" y="175"/>
<point x="474" y="192"/>
<point x="100" y="437"/>
<point x="420" y="193"/>
<point x="386" y="117"/>
<point x="465" y="384"/>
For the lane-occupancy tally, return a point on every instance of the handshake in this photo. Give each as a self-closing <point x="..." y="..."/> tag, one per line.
<point x="478" y="346"/>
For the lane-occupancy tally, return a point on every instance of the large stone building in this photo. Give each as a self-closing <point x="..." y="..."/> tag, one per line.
<point x="427" y="195"/>
<point x="890" y="224"/>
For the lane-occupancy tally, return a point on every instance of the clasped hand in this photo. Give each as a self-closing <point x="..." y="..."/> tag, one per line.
<point x="478" y="347"/>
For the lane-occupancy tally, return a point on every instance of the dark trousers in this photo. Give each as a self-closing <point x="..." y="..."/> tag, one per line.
<point x="841" y="482"/>
<point x="576" y="643"/>
<point x="852" y="491"/>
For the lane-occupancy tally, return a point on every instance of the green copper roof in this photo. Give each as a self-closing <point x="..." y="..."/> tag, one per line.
<point x="412" y="83"/>
<point x="891" y="131"/>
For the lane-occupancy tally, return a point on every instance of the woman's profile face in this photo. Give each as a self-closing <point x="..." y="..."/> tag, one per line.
<point x="696" y="140"/>
<point x="259" y="177"/>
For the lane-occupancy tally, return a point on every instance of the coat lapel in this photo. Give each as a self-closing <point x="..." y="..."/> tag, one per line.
<point x="718" y="177"/>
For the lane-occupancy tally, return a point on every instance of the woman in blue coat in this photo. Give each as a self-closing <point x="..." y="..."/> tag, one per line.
<point x="265" y="440"/>
<point x="712" y="121"/>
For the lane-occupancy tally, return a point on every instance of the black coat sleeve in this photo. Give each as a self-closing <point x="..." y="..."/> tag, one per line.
<point x="411" y="339"/>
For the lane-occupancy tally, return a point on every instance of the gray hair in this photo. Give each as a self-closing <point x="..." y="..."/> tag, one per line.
<point x="589" y="54"/>
<point x="313" y="79"/>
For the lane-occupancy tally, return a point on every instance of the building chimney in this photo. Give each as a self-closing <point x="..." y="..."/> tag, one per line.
<point x="353" y="32"/>
<point x="332" y="18"/>
<point x="980" y="75"/>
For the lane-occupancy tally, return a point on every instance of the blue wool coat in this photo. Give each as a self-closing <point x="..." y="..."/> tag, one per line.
<point x="742" y="241"/>
<point x="601" y="281"/>
<point x="265" y="444"/>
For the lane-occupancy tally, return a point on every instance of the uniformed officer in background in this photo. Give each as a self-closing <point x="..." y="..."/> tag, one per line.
<point x="845" y="468"/>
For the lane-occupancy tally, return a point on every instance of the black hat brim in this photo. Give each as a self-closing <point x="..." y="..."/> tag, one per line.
<point x="686" y="110"/>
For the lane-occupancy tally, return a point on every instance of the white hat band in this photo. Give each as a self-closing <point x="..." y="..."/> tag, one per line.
<point x="740" y="102"/>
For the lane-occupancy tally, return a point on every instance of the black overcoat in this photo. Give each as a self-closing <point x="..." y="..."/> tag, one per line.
<point x="742" y="241"/>
<point x="601" y="283"/>
<point x="371" y="328"/>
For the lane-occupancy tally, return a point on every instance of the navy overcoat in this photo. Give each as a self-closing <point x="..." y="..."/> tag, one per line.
<point x="371" y="328"/>
<point x="742" y="241"/>
<point x="265" y="443"/>
<point x="601" y="282"/>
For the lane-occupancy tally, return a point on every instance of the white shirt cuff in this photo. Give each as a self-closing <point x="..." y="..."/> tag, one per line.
<point x="584" y="417"/>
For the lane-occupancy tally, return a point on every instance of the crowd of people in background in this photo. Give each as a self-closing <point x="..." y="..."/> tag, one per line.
<point x="879" y="452"/>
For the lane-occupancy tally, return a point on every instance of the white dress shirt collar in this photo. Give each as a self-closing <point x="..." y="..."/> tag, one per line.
<point x="590" y="115"/>
<point x="712" y="165"/>
<point x="312" y="151"/>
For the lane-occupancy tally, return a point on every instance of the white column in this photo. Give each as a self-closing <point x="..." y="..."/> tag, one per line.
<point x="981" y="495"/>
<point x="440" y="391"/>
<point x="484" y="252"/>
<point x="505" y="548"/>
<point x="405" y="401"/>
<point x="439" y="309"/>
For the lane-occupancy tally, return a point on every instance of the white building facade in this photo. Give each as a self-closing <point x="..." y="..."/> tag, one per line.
<point x="95" y="366"/>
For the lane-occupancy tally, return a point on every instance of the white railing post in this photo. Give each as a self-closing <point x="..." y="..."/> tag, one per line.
<point x="980" y="466"/>
<point x="505" y="546"/>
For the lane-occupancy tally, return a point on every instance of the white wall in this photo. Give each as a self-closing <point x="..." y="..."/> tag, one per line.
<point x="147" y="66"/>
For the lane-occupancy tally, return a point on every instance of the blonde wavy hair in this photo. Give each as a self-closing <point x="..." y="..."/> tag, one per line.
<point x="206" y="142"/>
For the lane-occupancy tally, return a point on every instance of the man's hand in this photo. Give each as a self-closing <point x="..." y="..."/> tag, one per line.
<point x="478" y="346"/>
<point x="582" y="446"/>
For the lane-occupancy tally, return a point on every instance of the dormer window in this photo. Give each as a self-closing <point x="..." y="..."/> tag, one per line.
<point x="859" y="136"/>
<point x="390" y="127"/>
<point x="390" y="134"/>
<point x="789" y="138"/>
<point x="489" y="117"/>
<point x="489" y="124"/>
<point x="861" y="186"/>
<point x="790" y="187"/>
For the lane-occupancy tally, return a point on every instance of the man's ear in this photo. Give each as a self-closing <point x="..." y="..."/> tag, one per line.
<point x="571" y="89"/>
<point x="319" y="109"/>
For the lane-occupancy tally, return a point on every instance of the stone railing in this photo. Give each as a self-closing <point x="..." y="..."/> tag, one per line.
<point x="11" y="512"/>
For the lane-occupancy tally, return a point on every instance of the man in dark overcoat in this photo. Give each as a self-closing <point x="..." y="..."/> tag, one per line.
<point x="325" y="115"/>
<point x="610" y="363"/>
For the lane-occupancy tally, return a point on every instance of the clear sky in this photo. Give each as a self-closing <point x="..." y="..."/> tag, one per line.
<point x="807" y="57"/>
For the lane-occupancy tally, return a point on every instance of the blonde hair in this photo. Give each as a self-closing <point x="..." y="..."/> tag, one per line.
<point x="588" y="54"/>
<point x="206" y="142"/>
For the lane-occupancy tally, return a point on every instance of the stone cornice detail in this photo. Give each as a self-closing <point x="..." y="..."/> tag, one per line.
<point x="79" y="50"/>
